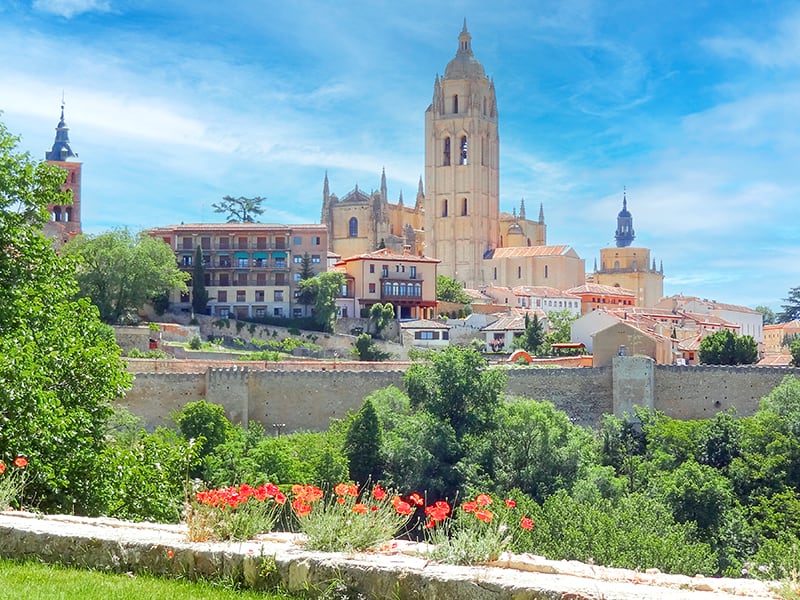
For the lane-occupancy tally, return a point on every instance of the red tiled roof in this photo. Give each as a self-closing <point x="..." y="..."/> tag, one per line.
<point x="516" y="251"/>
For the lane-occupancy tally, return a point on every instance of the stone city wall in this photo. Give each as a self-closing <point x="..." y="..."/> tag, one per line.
<point x="306" y="397"/>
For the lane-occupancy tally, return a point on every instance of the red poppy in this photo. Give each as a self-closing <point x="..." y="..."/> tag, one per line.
<point x="21" y="462"/>
<point x="373" y="508"/>
<point x="301" y="508"/>
<point x="170" y="553"/>
<point x="483" y="499"/>
<point x="360" y="508"/>
<point x="2" y="467"/>
<point x="511" y="503"/>
<point x="438" y="511"/>
<point x="280" y="497"/>
<point x="484" y="515"/>
<point x="526" y="523"/>
<point x="401" y="507"/>
<point x="469" y="506"/>
<point x="378" y="492"/>
<point x="340" y="489"/>
<point x="340" y="500"/>
<point x="416" y="499"/>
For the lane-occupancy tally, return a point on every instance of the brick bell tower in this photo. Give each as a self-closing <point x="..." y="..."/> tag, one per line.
<point x="65" y="221"/>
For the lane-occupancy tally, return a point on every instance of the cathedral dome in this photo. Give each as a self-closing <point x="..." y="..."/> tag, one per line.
<point x="464" y="65"/>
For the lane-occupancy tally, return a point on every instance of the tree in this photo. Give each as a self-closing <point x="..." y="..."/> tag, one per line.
<point x="533" y="336"/>
<point x="381" y="315"/>
<point x="450" y="290"/>
<point x="365" y="349"/>
<point x="324" y="288"/>
<point x="794" y="349"/>
<point x="241" y="209"/>
<point x="363" y="445"/>
<point x="60" y="366"/>
<point x="306" y="297"/>
<point x="199" y="291"/>
<point x="791" y="310"/>
<point x="767" y="314"/>
<point x="457" y="387"/>
<point x="120" y="272"/>
<point x="725" y="348"/>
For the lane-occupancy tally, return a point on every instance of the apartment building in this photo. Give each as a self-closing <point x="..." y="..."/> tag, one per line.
<point x="252" y="270"/>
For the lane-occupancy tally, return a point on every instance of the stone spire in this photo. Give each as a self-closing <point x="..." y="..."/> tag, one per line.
<point x="400" y="200"/>
<point x="522" y="208"/>
<point x="541" y="213"/>
<point x="384" y="195"/>
<point x="420" y="203"/>
<point x="624" y="234"/>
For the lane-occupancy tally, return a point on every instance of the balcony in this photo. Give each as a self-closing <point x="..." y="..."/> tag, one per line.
<point x="398" y="290"/>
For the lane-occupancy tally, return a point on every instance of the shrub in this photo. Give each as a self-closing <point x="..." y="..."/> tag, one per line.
<point x="195" y="343"/>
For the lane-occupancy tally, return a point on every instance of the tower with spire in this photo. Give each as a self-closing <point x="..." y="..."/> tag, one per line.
<point x="65" y="222"/>
<point x="462" y="207"/>
<point x="628" y="266"/>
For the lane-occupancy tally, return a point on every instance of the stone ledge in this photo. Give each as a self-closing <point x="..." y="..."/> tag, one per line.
<point x="278" y="559"/>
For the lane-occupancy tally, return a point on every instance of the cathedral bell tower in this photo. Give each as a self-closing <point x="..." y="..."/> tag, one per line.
<point x="462" y="204"/>
<point x="65" y="222"/>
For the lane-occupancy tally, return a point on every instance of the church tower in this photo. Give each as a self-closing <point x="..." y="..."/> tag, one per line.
<point x="462" y="204"/>
<point x="65" y="220"/>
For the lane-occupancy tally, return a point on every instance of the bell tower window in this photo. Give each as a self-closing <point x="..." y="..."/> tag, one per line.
<point x="464" y="150"/>
<point x="464" y="207"/>
<point x="455" y="104"/>
<point x="444" y="207"/>
<point x="446" y="155"/>
<point x="353" y="227"/>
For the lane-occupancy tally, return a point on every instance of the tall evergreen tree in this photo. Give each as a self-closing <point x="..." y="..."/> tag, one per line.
<point x="199" y="291"/>
<point x="363" y="445"/>
<point x="791" y="308"/>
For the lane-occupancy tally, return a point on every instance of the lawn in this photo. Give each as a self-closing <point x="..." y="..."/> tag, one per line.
<point x="44" y="582"/>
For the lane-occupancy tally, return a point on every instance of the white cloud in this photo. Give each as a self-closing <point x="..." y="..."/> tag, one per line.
<point x="70" y="8"/>
<point x="780" y="50"/>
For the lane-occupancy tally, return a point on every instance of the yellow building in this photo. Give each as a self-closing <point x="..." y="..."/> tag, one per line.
<point x="629" y="267"/>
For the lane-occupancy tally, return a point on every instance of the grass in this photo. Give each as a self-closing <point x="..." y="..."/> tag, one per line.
<point x="44" y="582"/>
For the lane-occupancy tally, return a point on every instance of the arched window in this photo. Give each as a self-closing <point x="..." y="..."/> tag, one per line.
<point x="616" y="264"/>
<point x="56" y="213"/>
<point x="464" y="207"/>
<point x="455" y="103"/>
<point x="353" y="227"/>
<point x="68" y="214"/>
<point x="545" y="271"/>
<point x="446" y="155"/>
<point x="463" y="150"/>
<point x="444" y="207"/>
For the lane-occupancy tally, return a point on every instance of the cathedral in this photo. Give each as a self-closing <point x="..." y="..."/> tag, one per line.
<point x="456" y="216"/>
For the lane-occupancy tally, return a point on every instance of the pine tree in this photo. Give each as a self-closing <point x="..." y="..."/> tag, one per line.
<point x="199" y="291"/>
<point x="363" y="445"/>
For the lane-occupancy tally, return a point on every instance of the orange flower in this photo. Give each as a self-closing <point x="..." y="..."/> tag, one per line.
<point x="340" y="489"/>
<point x="378" y="492"/>
<point x="511" y="503"/>
<point x="170" y="553"/>
<point x="526" y="523"/>
<point x="401" y="507"/>
<point x="307" y="493"/>
<point x="21" y="462"/>
<point x="301" y="508"/>
<point x="469" y="506"/>
<point x="2" y="467"/>
<point x="483" y="499"/>
<point x="360" y="508"/>
<point x="340" y="500"/>
<point x="484" y="515"/>
<point x="416" y="499"/>
<point x="280" y="497"/>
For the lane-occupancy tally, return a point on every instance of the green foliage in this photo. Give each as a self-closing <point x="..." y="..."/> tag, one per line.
<point x="205" y="423"/>
<point x="60" y="366"/>
<point x="450" y="290"/>
<point x="768" y="315"/>
<point x="153" y="354"/>
<point x="120" y="272"/>
<point x="726" y="348"/>
<point x="364" y="348"/>
<point x="199" y="291"/>
<point x="794" y="349"/>
<point x="457" y="387"/>
<point x="533" y="336"/>
<point x="241" y="209"/>
<point x="362" y="445"/>
<point x="698" y="493"/>
<point x="325" y="288"/>
<point x="791" y="307"/>
<point x="195" y="343"/>
<point x="381" y="315"/>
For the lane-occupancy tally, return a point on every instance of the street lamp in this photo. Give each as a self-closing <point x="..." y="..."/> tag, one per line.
<point x="278" y="427"/>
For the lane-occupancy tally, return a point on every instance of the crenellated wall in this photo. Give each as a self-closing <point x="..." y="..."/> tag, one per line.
<point x="308" y="396"/>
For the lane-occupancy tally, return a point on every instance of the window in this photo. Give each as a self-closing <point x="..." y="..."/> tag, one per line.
<point x="280" y="263"/>
<point x="353" y="227"/>
<point x="277" y="311"/>
<point x="316" y="240"/>
<point x="519" y="272"/>
<point x="259" y="295"/>
<point x="242" y="262"/>
<point x="261" y="243"/>
<point x="207" y="260"/>
<point x="297" y="259"/>
<point x="222" y="296"/>
<point x="278" y="296"/>
<point x="280" y="243"/>
<point x="297" y="240"/>
<point x="242" y="243"/>
<point x="280" y="278"/>
<point x="315" y="258"/>
<point x="297" y="312"/>
<point x="241" y="279"/>
<point x="259" y="262"/>
<point x="546" y="271"/>
<point x="464" y="207"/>
<point x="186" y="260"/>
<point x="372" y="268"/>
<point x="187" y="243"/>
<point x="296" y="276"/>
<point x="455" y="103"/>
<point x="412" y="272"/>
<point x="261" y="313"/>
<point x="224" y="261"/>
<point x="241" y="296"/>
<point x="494" y="273"/>
<point x="463" y="148"/>
<point x="371" y="288"/>
<point x="385" y="271"/>
<point x="261" y="279"/>
<point x="426" y="335"/>
<point x="223" y="311"/>
<point x="224" y="243"/>
<point x="446" y="153"/>
<point x="224" y="280"/>
<point x="205" y="243"/>
<point x="444" y="207"/>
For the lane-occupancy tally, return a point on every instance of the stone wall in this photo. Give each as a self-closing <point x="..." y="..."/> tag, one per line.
<point x="307" y="395"/>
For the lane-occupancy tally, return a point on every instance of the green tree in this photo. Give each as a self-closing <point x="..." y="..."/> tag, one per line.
<point x="767" y="314"/>
<point x="559" y="324"/>
<point x="726" y="348"/>
<point x="457" y="387"/>
<point x="381" y="315"/>
<point x="306" y="297"/>
<point x="791" y="308"/>
<point x="241" y="209"/>
<point x="60" y="366"/>
<point x="794" y="349"/>
<point x="205" y="423"/>
<point x="365" y="348"/>
<point x="199" y="291"/>
<point x="120" y="271"/>
<point x="324" y="288"/>
<point x="362" y="445"/>
<point x="450" y="290"/>
<point x="533" y="336"/>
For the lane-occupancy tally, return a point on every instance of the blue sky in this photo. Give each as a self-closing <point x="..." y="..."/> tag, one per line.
<point x="692" y="106"/>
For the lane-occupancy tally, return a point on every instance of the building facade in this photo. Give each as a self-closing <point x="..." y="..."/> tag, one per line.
<point x="252" y="270"/>
<point x="65" y="221"/>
